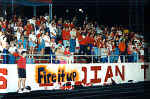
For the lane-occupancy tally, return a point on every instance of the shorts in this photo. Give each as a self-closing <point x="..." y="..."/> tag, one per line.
<point x="31" y="44"/>
<point x="21" y="73"/>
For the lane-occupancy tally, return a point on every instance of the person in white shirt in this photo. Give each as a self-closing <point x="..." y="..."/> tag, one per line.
<point x="3" y="39"/>
<point x="47" y="43"/>
<point x="1" y="48"/>
<point x="18" y="34"/>
<point x="53" y="43"/>
<point x="1" y="36"/>
<point x="21" y="49"/>
<point x="142" y="54"/>
<point x="12" y="50"/>
<point x="104" y="54"/>
<point x="32" y="21"/>
<point x="53" y="30"/>
<point x="32" y="42"/>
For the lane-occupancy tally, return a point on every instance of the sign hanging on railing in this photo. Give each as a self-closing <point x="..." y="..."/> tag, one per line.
<point x="54" y="76"/>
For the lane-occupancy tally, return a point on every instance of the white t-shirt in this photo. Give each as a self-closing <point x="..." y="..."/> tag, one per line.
<point x="53" y="44"/>
<point x="21" y="50"/>
<point x="141" y="52"/>
<point x="1" y="48"/>
<point x="18" y="35"/>
<point x="46" y="17"/>
<point x="1" y="38"/>
<point x="47" y="41"/>
<point x="32" y="21"/>
<point x="37" y="32"/>
<point x="73" y="33"/>
<point x="32" y="37"/>
<point x="15" y="28"/>
<point x="12" y="49"/>
<point x="53" y="30"/>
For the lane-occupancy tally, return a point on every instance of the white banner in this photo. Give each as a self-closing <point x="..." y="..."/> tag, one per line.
<point x="53" y="76"/>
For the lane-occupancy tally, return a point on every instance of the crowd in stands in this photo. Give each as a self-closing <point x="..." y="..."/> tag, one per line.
<point x="65" y="38"/>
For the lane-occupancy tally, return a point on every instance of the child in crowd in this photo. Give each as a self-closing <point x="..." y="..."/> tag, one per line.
<point x="67" y="54"/>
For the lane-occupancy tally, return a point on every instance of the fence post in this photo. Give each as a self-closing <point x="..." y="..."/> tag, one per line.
<point x="92" y="59"/>
<point x="137" y="58"/>
<point x="108" y="59"/>
<point x="124" y="58"/>
<point x="51" y="59"/>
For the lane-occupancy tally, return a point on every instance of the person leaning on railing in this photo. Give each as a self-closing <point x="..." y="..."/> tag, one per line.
<point x="60" y="56"/>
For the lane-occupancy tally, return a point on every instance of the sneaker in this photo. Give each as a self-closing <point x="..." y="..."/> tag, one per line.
<point x="26" y="90"/>
<point x="20" y="91"/>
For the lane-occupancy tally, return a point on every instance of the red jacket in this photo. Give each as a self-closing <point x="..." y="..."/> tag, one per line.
<point x="66" y="52"/>
<point x="83" y="41"/>
<point x="90" y="40"/>
<point x="66" y="35"/>
<point x="122" y="46"/>
<point x="21" y="63"/>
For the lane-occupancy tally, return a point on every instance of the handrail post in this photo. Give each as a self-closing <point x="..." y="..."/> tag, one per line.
<point x="51" y="59"/>
<point x="92" y="59"/>
<point x="124" y="58"/>
<point x="137" y="58"/>
<point x="108" y="58"/>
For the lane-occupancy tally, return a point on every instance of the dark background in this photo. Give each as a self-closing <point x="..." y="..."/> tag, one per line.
<point x="110" y="12"/>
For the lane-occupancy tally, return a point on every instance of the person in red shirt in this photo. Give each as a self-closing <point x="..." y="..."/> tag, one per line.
<point x="67" y="54"/>
<point x="66" y="36"/>
<point x="38" y="22"/>
<point x="90" y="40"/>
<point x="83" y="44"/>
<point x="21" y="64"/>
<point x="71" y="25"/>
<point x="122" y="49"/>
<point x="28" y="28"/>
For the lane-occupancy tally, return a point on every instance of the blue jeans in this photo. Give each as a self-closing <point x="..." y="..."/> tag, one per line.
<point x="12" y="59"/>
<point x="65" y="42"/>
<point x="96" y="52"/>
<point x="104" y="59"/>
<point x="83" y="49"/>
<point x="72" y="45"/>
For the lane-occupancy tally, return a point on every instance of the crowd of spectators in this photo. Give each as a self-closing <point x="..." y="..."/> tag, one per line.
<point x="65" y="38"/>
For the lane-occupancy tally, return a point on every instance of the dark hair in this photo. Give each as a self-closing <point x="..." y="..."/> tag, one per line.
<point x="23" y="52"/>
<point x="67" y="46"/>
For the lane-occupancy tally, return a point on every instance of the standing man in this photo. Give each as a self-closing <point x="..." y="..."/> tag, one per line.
<point x="22" y="72"/>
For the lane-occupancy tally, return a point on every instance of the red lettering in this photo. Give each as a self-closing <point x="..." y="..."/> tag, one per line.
<point x="117" y="72"/>
<point x="84" y="69"/>
<point x="78" y="83"/>
<point x="3" y="79"/>
<point x="95" y="69"/>
<point x="109" y="73"/>
<point x="145" y="67"/>
<point x="50" y="84"/>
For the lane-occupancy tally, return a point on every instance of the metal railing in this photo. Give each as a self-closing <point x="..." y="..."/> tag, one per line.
<point x="74" y="59"/>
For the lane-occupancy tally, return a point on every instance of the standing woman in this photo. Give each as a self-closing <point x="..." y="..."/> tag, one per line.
<point x="32" y="42"/>
<point x="41" y="43"/>
<point x="47" y="43"/>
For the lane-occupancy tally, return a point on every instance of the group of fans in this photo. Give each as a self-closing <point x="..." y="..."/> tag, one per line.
<point x="64" y="38"/>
